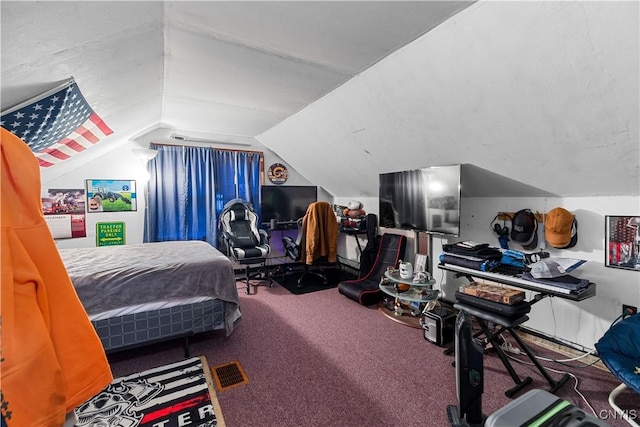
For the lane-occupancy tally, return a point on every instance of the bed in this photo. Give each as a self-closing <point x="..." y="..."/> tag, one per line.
<point x="144" y="293"/>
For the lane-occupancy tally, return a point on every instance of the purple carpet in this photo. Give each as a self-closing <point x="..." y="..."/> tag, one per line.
<point x="320" y="359"/>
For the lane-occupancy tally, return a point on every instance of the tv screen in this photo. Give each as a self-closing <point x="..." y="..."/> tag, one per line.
<point x="403" y="200"/>
<point x="286" y="203"/>
<point x="426" y="199"/>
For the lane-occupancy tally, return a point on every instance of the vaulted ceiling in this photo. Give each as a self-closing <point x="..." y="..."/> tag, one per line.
<point x="232" y="69"/>
<point x="542" y="92"/>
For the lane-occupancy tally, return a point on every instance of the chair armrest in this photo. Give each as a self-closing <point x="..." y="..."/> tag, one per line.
<point x="286" y="240"/>
<point x="264" y="236"/>
<point x="291" y="249"/>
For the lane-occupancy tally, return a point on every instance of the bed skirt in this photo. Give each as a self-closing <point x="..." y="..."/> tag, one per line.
<point x="132" y="330"/>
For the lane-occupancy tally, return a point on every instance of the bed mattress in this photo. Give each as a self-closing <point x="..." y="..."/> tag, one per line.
<point x="190" y="282"/>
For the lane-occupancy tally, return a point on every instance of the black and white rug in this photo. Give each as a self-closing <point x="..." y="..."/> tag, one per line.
<point x="175" y="395"/>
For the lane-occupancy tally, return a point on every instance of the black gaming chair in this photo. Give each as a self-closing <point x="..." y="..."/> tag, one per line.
<point x="242" y="240"/>
<point x="293" y="250"/>
<point x="365" y="290"/>
<point x="325" y="257"/>
<point x="291" y="246"/>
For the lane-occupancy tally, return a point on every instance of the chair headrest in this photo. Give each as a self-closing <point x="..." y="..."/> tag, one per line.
<point x="239" y="214"/>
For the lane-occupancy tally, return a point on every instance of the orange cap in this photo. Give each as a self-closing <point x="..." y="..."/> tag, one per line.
<point x="557" y="227"/>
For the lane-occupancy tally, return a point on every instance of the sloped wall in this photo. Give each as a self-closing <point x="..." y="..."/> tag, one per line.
<point x="544" y="93"/>
<point x="540" y="92"/>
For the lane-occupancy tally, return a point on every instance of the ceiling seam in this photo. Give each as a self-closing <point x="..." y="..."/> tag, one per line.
<point x="257" y="48"/>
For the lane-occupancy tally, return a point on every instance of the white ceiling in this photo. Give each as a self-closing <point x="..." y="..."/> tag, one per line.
<point x="233" y="69"/>
<point x="419" y="83"/>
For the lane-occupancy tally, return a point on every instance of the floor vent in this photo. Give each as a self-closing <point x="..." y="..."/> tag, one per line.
<point x="229" y="375"/>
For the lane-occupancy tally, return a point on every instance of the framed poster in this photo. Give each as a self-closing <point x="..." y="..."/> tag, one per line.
<point x="111" y="195"/>
<point x="622" y="242"/>
<point x="64" y="212"/>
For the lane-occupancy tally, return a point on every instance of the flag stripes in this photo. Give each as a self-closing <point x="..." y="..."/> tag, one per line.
<point x="167" y="396"/>
<point x="56" y="125"/>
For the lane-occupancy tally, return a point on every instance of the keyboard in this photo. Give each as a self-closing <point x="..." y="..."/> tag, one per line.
<point x="519" y="282"/>
<point x="508" y="270"/>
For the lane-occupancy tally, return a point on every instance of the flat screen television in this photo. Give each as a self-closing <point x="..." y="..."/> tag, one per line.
<point x="426" y="199"/>
<point x="286" y="203"/>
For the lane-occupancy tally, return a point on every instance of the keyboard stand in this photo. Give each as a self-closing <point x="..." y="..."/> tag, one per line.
<point x="507" y="324"/>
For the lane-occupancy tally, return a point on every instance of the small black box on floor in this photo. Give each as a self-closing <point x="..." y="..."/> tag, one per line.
<point x="439" y="325"/>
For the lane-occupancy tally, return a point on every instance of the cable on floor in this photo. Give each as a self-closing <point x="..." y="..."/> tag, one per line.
<point x="575" y="387"/>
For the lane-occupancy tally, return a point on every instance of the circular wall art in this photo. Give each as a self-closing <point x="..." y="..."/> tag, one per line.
<point x="278" y="173"/>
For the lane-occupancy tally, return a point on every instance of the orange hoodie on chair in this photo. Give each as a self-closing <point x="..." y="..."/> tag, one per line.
<point x="52" y="359"/>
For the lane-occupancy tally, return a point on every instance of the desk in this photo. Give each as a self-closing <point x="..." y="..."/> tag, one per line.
<point x="484" y="318"/>
<point x="354" y="232"/>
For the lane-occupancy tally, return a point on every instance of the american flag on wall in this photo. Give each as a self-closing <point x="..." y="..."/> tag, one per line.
<point x="56" y="124"/>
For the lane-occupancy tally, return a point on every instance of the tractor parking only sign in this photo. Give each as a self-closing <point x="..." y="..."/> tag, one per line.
<point x="110" y="233"/>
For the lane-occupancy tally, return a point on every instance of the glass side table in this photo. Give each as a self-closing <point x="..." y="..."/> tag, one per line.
<point x="407" y="292"/>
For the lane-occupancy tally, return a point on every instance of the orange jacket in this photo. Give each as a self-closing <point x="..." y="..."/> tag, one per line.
<point x="320" y="233"/>
<point x="52" y="359"/>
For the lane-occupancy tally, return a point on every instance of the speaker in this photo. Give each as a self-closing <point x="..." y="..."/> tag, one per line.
<point x="438" y="325"/>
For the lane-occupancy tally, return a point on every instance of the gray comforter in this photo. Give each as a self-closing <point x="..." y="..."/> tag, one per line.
<point x="111" y="277"/>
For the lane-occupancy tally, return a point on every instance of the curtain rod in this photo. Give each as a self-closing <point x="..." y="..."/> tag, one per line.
<point x="207" y="141"/>
<point x="215" y="148"/>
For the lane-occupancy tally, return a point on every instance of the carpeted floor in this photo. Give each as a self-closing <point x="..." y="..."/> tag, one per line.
<point x="321" y="359"/>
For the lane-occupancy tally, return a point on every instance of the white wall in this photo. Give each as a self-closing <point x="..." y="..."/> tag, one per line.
<point x="116" y="164"/>
<point x="581" y="323"/>
<point x="538" y="91"/>
<point x="123" y="163"/>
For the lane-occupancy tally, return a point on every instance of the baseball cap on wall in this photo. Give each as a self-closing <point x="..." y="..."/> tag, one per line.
<point x="524" y="229"/>
<point x="561" y="228"/>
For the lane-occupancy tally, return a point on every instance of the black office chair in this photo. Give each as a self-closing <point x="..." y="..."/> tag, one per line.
<point x="243" y="241"/>
<point x="319" y="224"/>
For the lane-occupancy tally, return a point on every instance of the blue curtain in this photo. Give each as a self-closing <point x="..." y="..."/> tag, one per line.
<point x="238" y="176"/>
<point x="225" y="178"/>
<point x="188" y="187"/>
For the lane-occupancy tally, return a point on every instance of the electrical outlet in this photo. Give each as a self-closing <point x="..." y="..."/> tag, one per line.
<point x="629" y="309"/>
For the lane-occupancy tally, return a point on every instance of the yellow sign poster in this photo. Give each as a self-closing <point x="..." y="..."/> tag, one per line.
<point x="110" y="233"/>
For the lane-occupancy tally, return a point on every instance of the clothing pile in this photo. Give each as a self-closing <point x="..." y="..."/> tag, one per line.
<point x="537" y="267"/>
<point x="555" y="272"/>
<point x="469" y="254"/>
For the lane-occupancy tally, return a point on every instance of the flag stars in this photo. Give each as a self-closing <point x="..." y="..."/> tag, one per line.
<point x="49" y="120"/>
